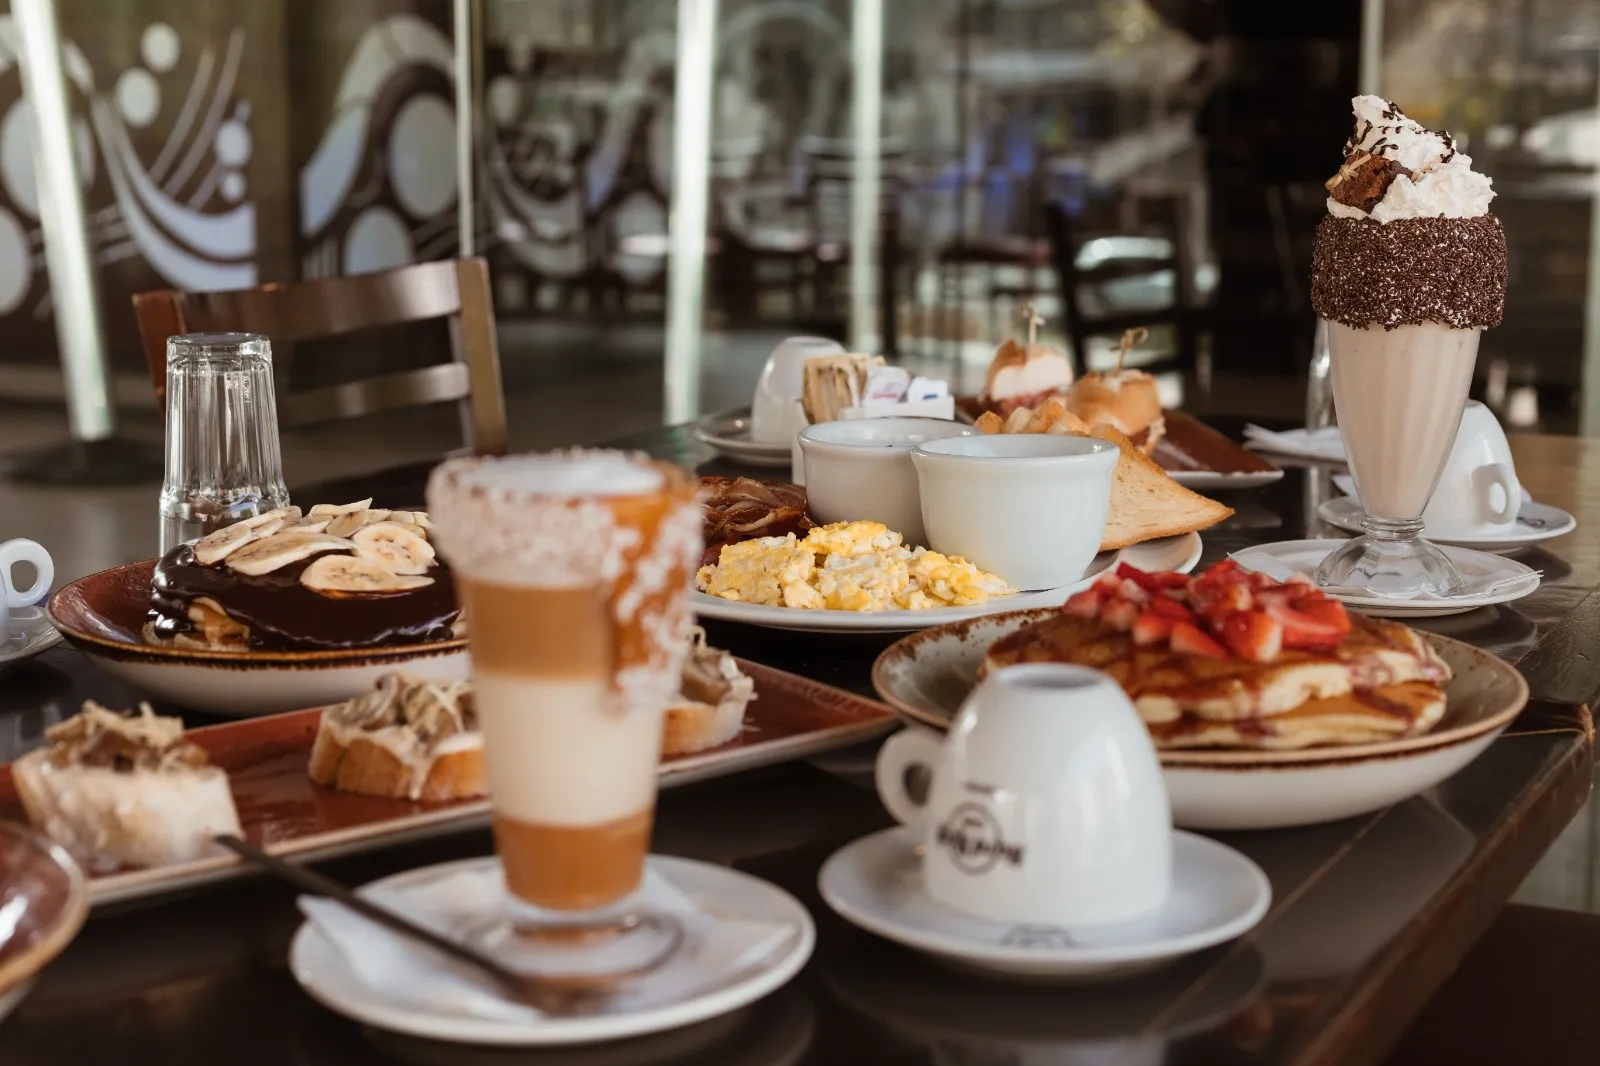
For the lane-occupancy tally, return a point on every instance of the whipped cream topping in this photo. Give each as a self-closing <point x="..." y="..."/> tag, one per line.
<point x="1433" y="180"/>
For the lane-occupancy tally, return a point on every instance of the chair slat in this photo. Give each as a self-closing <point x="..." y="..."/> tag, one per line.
<point x="329" y="307"/>
<point x="410" y="388"/>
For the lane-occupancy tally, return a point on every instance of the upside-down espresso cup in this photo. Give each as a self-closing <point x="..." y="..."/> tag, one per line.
<point x="1046" y="805"/>
<point x="1478" y="493"/>
<point x="1030" y="507"/>
<point x="17" y="551"/>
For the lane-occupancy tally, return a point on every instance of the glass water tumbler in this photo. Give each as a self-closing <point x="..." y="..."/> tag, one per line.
<point x="223" y="461"/>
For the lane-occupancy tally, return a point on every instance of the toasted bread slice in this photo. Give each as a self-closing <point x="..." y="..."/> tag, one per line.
<point x="1146" y="503"/>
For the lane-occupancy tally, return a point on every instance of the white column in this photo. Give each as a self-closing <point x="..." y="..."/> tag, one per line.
<point x="691" y="169"/>
<point x="1369" y="76"/>
<point x="866" y="50"/>
<point x="68" y="256"/>
<point x="466" y="38"/>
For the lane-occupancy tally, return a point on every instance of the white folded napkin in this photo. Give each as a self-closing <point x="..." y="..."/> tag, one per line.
<point x="412" y="976"/>
<point x="1324" y="443"/>
<point x="1347" y="485"/>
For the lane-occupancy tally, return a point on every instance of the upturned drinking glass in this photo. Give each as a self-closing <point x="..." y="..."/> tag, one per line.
<point x="223" y="461"/>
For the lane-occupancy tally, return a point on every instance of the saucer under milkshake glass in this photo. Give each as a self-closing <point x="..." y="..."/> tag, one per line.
<point x="1408" y="270"/>
<point x="573" y="570"/>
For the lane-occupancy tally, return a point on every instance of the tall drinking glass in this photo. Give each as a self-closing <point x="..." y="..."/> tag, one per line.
<point x="1400" y="393"/>
<point x="573" y="570"/>
<point x="223" y="462"/>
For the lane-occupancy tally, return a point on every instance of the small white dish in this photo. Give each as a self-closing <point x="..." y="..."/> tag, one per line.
<point x="325" y="973"/>
<point x="1221" y="481"/>
<point x="1490" y="579"/>
<point x="1217" y="895"/>
<point x="728" y="433"/>
<point x="30" y="634"/>
<point x="1179" y="553"/>
<point x="1535" y="522"/>
<point x="860" y="470"/>
<point x="1030" y="507"/>
<point x="925" y="678"/>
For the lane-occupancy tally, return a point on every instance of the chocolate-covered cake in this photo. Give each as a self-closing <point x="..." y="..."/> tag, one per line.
<point x="339" y="577"/>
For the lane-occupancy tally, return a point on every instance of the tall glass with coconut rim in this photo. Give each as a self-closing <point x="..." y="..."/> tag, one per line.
<point x="573" y="570"/>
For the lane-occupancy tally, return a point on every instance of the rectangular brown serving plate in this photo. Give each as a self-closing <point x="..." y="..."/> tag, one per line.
<point x="281" y="808"/>
<point x="1190" y="446"/>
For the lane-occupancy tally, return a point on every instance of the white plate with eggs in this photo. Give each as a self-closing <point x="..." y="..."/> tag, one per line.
<point x="1179" y="553"/>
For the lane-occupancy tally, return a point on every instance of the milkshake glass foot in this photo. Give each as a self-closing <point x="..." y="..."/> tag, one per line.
<point x="616" y="943"/>
<point x="1392" y="559"/>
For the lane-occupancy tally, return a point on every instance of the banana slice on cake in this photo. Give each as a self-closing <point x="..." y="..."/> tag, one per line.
<point x="399" y="547"/>
<point x="219" y="544"/>
<point x="279" y="550"/>
<point x="345" y="574"/>
<point x="330" y="510"/>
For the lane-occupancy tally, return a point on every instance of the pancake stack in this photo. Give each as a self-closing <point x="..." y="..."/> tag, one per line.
<point x="1235" y="659"/>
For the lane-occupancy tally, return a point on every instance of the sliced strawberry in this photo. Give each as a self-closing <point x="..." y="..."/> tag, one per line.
<point x="1119" y="614"/>
<point x="1148" y="582"/>
<point x="1085" y="604"/>
<point x="1171" y="579"/>
<point x="1169" y="608"/>
<point x="1191" y="640"/>
<point x="1252" y="635"/>
<point x="1226" y="572"/>
<point x="1326" y="612"/>
<point x="1151" y="628"/>
<point x="1318" y="628"/>
<point x="1133" y="592"/>
<point x="1218" y="603"/>
<point x="1108" y="580"/>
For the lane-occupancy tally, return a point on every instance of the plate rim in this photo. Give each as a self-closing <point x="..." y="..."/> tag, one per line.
<point x="1064" y="959"/>
<point x="1247" y="759"/>
<point x="1477" y="543"/>
<point x="705" y="434"/>
<point x="1418" y="607"/>
<point x="792" y="619"/>
<point x="715" y="1001"/>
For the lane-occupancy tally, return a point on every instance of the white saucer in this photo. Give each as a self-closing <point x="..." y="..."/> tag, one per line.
<point x="325" y="973"/>
<point x="1179" y="553"/>
<point x="1490" y="578"/>
<point x="1217" y="894"/>
<point x="31" y="633"/>
<point x="1219" y="481"/>
<point x="1535" y="522"/>
<point x="729" y="433"/>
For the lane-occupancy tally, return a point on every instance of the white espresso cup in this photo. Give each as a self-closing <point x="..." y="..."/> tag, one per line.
<point x="1029" y="507"/>
<point x="775" y="411"/>
<point x="860" y="470"/>
<point x="17" y="551"/>
<point x="1046" y="805"/>
<point x="1478" y="493"/>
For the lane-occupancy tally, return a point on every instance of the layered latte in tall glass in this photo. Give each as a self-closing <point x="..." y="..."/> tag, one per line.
<point x="573" y="570"/>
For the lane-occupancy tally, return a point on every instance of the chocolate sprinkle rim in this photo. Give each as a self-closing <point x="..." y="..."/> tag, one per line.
<point x="1409" y="271"/>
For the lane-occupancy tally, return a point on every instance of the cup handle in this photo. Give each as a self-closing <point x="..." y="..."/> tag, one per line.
<point x="17" y="551"/>
<point x="1490" y="475"/>
<point x="902" y="752"/>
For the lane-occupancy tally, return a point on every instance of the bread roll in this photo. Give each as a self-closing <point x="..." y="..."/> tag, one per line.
<point x="1125" y="400"/>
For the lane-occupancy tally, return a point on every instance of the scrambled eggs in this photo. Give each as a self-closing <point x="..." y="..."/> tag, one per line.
<point x="846" y="566"/>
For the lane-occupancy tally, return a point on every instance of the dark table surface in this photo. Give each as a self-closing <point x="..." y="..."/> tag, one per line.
<point x="1369" y="914"/>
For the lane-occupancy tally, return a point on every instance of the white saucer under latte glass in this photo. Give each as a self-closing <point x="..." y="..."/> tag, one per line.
<point x="743" y="939"/>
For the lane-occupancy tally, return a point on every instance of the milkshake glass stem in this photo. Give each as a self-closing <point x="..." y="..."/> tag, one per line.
<point x="1399" y="395"/>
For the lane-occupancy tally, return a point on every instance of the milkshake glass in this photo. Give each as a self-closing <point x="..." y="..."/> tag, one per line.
<point x="573" y="570"/>
<point x="1408" y="270"/>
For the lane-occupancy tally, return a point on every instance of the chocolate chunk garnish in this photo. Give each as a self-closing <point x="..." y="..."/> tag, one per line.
<point x="1363" y="180"/>
<point x="1410" y="270"/>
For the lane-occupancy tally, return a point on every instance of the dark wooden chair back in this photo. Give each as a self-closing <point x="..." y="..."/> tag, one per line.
<point x="285" y="313"/>
<point x="1083" y="322"/>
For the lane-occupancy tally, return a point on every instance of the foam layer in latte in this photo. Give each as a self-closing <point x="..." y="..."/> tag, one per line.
<point x="1410" y="170"/>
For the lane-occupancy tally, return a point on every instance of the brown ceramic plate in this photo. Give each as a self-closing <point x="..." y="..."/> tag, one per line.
<point x="46" y="901"/>
<point x="281" y="809"/>
<point x="1191" y="451"/>
<point x="104" y="614"/>
<point x="927" y="677"/>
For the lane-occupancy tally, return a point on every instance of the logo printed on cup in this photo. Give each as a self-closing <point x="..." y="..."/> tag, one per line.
<point x="975" y="840"/>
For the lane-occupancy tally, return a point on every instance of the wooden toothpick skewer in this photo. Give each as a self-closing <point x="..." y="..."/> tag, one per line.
<point x="1131" y="338"/>
<point x="1034" y="320"/>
